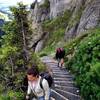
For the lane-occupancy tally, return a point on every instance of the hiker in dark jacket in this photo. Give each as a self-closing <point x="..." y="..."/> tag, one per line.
<point x="60" y="53"/>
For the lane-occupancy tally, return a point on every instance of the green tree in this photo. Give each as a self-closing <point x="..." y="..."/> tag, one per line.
<point x="13" y="51"/>
<point x="20" y="14"/>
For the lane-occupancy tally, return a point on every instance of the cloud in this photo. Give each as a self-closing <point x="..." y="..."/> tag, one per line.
<point x="14" y="2"/>
<point x="5" y="4"/>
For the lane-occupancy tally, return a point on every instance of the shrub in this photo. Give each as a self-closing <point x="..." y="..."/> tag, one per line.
<point x="12" y="95"/>
<point x="36" y="60"/>
<point x="42" y="54"/>
<point x="59" y="22"/>
<point x="85" y="65"/>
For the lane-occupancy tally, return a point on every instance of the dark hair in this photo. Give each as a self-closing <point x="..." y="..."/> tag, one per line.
<point x="33" y="71"/>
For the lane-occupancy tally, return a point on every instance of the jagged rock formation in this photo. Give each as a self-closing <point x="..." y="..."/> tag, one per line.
<point x="36" y="34"/>
<point x="44" y="10"/>
<point x="38" y="37"/>
<point x="58" y="6"/>
<point x="55" y="8"/>
<point x="40" y="12"/>
<point x="41" y="42"/>
<point x="89" y="17"/>
<point x="85" y="14"/>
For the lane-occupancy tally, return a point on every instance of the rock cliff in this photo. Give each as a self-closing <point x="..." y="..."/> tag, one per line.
<point x="57" y="7"/>
<point x="88" y="12"/>
<point x="85" y="14"/>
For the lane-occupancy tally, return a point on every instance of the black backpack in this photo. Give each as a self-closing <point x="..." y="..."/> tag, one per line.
<point x="46" y="76"/>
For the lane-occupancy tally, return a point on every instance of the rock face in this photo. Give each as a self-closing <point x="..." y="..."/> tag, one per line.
<point x="41" y="42"/>
<point x="36" y="34"/>
<point x="89" y="18"/>
<point x="40" y="12"/>
<point x="85" y="15"/>
<point x="37" y="15"/>
<point x="77" y="9"/>
<point x="38" y="37"/>
<point x="58" y="6"/>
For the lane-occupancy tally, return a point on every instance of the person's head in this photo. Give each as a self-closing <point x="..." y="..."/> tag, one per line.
<point x="32" y="74"/>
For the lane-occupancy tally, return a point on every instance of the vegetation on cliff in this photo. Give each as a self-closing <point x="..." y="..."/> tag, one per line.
<point x="56" y="28"/>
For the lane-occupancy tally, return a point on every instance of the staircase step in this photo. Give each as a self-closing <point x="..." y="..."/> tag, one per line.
<point x="73" y="90"/>
<point x="57" y="72"/>
<point x="52" y="63"/>
<point x="57" y="85"/>
<point x="63" y="76"/>
<point x="55" y="69"/>
<point x="61" y="79"/>
<point x="63" y="84"/>
<point x="68" y="95"/>
<point x="61" y="73"/>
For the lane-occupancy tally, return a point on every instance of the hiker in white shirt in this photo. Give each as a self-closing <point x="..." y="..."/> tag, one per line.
<point x="34" y="85"/>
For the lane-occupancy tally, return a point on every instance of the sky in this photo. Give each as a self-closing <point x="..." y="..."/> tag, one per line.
<point x="4" y="4"/>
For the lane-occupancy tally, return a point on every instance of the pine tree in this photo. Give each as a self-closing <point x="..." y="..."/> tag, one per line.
<point x="14" y="49"/>
<point x="20" y="14"/>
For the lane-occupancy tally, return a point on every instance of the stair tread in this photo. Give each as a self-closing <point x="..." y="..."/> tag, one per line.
<point x="61" y="79"/>
<point x="68" y="89"/>
<point x="68" y="95"/>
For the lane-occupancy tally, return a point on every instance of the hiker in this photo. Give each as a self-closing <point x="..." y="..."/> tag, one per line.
<point x="60" y="53"/>
<point x="34" y="85"/>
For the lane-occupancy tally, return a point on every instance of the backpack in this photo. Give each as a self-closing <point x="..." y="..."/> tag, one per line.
<point x="59" y="53"/>
<point x="48" y="77"/>
<point x="59" y="50"/>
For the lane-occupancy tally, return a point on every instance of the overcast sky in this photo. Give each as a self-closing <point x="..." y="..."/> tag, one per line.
<point x="4" y="4"/>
